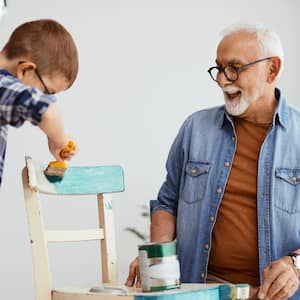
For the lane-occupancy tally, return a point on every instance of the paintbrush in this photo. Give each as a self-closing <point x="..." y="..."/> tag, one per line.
<point x="56" y="169"/>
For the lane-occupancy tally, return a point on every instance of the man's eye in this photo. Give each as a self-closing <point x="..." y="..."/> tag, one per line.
<point x="231" y="67"/>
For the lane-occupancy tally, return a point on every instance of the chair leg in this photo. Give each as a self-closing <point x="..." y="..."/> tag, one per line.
<point x="108" y="244"/>
<point x="38" y="242"/>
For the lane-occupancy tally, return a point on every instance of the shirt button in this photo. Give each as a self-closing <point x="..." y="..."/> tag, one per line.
<point x="233" y="138"/>
<point x="294" y="179"/>
<point x="211" y="218"/>
<point x="206" y="246"/>
<point x="219" y="190"/>
<point x="194" y="171"/>
<point x="202" y="275"/>
<point x="226" y="164"/>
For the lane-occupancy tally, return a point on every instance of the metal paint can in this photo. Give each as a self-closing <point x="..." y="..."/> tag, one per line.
<point x="159" y="266"/>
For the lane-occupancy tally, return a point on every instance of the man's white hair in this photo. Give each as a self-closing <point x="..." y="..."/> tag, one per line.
<point x="269" y="41"/>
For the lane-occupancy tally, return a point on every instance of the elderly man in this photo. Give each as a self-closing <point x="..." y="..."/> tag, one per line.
<point x="232" y="192"/>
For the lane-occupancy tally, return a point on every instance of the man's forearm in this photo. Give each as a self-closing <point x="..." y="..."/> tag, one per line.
<point x="163" y="226"/>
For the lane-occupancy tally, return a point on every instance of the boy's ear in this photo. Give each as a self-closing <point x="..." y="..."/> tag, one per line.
<point x="25" y="68"/>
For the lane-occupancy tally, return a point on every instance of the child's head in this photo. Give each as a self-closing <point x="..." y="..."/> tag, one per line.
<point x="47" y="50"/>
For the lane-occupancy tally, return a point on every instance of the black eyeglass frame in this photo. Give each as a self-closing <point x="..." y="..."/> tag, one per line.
<point x="237" y="70"/>
<point x="46" y="90"/>
<point x="37" y="73"/>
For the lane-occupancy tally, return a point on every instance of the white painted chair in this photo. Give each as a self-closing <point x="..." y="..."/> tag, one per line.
<point x="101" y="182"/>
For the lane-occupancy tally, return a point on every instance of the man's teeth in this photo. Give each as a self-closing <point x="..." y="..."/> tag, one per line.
<point x="231" y="92"/>
<point x="232" y="95"/>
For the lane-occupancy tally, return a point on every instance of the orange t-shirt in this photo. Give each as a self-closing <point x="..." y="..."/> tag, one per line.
<point x="234" y="251"/>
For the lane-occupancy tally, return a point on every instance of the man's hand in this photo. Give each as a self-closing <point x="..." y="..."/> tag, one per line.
<point x="134" y="274"/>
<point x="163" y="226"/>
<point x="280" y="280"/>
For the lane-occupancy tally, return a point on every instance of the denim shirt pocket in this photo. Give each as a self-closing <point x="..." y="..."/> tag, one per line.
<point x="287" y="189"/>
<point x="196" y="176"/>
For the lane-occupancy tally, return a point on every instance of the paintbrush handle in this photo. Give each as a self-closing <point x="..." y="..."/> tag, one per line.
<point x="70" y="147"/>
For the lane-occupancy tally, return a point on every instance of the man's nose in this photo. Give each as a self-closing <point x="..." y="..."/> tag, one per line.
<point x="222" y="80"/>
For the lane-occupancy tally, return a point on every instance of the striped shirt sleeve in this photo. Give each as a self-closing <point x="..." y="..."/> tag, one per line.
<point x="20" y="103"/>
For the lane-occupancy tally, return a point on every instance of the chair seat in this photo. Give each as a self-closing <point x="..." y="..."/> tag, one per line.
<point x="185" y="292"/>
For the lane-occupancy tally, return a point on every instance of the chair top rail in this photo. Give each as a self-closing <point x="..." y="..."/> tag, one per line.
<point x="82" y="180"/>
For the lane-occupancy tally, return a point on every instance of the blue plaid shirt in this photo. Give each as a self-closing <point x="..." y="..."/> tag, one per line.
<point x="18" y="103"/>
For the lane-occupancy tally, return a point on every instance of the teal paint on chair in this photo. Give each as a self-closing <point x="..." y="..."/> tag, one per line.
<point x="90" y="180"/>
<point x="201" y="294"/>
<point x="83" y="180"/>
<point x="219" y="292"/>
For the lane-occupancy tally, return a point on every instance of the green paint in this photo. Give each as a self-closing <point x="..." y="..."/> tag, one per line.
<point x="164" y="287"/>
<point x="159" y="249"/>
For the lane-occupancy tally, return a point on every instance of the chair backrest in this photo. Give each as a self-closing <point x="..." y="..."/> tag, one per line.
<point x="100" y="181"/>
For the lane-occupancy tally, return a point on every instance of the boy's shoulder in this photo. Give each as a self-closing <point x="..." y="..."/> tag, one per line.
<point x="8" y="81"/>
<point x="4" y="73"/>
<point x="11" y="87"/>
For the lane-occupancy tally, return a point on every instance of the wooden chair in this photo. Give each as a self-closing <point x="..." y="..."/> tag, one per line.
<point x="100" y="181"/>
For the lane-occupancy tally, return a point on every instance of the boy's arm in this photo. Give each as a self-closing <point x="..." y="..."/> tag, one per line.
<point x="52" y="125"/>
<point x="20" y="103"/>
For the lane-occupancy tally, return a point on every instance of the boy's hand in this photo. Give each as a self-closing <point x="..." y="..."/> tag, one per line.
<point x="56" y="150"/>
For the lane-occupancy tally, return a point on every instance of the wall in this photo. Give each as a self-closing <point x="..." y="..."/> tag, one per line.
<point x="142" y="71"/>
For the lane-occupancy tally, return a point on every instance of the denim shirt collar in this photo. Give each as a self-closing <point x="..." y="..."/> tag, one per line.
<point x="281" y="114"/>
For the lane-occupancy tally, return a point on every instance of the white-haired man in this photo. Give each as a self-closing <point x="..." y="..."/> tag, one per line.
<point x="232" y="192"/>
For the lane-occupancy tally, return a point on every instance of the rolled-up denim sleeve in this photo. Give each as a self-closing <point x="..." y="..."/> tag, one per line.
<point x="169" y="192"/>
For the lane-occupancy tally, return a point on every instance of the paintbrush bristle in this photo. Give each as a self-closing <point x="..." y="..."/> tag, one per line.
<point x="55" y="170"/>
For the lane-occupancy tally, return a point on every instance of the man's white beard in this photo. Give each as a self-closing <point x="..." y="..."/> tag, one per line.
<point x="238" y="106"/>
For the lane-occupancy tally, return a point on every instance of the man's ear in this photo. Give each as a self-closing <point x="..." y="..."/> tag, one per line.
<point x="274" y="67"/>
<point x="25" y="68"/>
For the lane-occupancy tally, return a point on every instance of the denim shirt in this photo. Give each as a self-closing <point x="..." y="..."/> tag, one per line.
<point x="197" y="173"/>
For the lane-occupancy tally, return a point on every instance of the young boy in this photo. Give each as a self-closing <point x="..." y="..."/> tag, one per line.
<point x="39" y="60"/>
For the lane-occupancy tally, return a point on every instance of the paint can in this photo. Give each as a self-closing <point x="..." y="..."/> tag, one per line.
<point x="159" y="266"/>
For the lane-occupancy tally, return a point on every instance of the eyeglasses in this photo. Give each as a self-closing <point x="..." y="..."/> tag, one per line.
<point x="46" y="90"/>
<point x="231" y="72"/>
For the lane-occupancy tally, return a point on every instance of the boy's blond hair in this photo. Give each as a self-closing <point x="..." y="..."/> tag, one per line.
<point x="47" y="44"/>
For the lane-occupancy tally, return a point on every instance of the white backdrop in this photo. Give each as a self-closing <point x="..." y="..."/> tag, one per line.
<point x="143" y="70"/>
